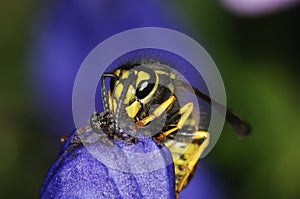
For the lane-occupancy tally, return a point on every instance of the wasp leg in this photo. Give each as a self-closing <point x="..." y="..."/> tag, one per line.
<point x="185" y="112"/>
<point x="186" y="165"/>
<point x="157" y="112"/>
<point x="83" y="130"/>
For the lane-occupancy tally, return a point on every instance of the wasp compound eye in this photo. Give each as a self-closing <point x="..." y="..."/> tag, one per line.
<point x="144" y="89"/>
<point x="146" y="80"/>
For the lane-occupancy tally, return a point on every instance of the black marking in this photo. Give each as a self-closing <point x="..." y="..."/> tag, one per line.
<point x="145" y="86"/>
<point x="199" y="141"/>
<point x="143" y="89"/>
<point x="183" y="157"/>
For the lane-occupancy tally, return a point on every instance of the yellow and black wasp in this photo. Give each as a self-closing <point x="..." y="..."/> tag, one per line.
<point x="134" y="90"/>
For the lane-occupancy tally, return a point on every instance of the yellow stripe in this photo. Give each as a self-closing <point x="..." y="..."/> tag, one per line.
<point x="118" y="90"/>
<point x="149" y="97"/>
<point x="130" y="94"/>
<point x="125" y="74"/>
<point x="117" y="72"/>
<point x="142" y="76"/>
<point x="133" y="109"/>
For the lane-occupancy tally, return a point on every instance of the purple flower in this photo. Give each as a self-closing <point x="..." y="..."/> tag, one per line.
<point x="78" y="174"/>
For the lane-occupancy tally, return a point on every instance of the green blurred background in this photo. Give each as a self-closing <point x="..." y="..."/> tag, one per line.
<point x="258" y="58"/>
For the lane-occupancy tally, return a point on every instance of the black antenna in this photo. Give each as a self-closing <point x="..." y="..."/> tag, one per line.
<point x="104" y="90"/>
<point x="126" y="85"/>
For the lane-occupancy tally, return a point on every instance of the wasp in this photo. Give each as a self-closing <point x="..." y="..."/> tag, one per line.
<point x="147" y="93"/>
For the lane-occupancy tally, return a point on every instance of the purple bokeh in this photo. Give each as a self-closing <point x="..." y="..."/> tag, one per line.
<point x="257" y="7"/>
<point x="66" y="32"/>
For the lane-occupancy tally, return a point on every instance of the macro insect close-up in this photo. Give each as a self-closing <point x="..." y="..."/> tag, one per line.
<point x="146" y="96"/>
<point x="117" y="99"/>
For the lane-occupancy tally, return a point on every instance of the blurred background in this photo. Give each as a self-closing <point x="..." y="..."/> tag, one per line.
<point x="256" y="48"/>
